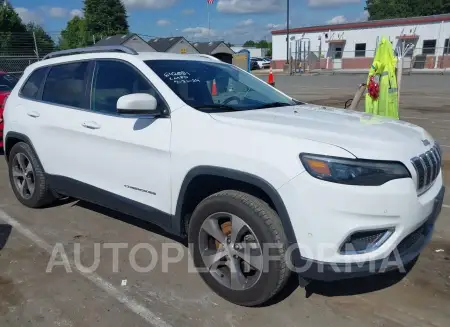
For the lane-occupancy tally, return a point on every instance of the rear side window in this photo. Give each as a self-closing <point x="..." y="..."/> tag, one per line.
<point x="65" y="85"/>
<point x="31" y="87"/>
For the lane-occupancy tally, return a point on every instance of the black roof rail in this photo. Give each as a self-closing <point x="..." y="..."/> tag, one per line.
<point x="92" y="49"/>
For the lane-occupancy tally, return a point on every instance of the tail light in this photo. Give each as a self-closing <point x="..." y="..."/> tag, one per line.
<point x="3" y="102"/>
<point x="2" y="107"/>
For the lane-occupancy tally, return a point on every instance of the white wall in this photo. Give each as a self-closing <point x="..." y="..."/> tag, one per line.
<point x="369" y="36"/>
<point x="254" y="52"/>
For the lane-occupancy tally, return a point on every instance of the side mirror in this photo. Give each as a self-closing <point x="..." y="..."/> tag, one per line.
<point x="137" y="103"/>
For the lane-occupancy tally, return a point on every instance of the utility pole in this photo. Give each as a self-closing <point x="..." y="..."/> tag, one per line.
<point x="287" y="34"/>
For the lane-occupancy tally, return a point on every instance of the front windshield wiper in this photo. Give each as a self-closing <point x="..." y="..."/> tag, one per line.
<point x="216" y="106"/>
<point x="275" y="104"/>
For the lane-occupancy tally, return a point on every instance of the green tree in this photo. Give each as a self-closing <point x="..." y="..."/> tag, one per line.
<point x="249" y="43"/>
<point x="386" y="9"/>
<point x="12" y="30"/>
<point x="263" y="44"/>
<point x="44" y="42"/>
<point x="105" y="17"/>
<point x="75" y="35"/>
<point x="269" y="52"/>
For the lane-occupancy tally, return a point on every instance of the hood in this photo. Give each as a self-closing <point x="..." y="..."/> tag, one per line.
<point x="365" y="136"/>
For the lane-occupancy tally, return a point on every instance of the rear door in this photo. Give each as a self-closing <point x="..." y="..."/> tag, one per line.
<point x="61" y="102"/>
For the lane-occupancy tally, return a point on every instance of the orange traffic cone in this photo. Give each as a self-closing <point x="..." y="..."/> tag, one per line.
<point x="214" y="88"/>
<point x="271" y="79"/>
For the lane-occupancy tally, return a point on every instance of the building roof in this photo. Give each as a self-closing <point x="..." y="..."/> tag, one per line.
<point x="162" y="44"/>
<point x="369" y="24"/>
<point x="207" y="47"/>
<point x="118" y="39"/>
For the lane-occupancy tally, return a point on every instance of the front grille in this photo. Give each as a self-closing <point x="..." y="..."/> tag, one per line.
<point x="427" y="167"/>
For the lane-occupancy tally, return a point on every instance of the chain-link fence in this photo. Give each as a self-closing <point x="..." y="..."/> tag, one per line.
<point x="18" y="50"/>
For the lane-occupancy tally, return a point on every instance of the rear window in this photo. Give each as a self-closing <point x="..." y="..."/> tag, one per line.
<point x="65" y="85"/>
<point x="31" y="87"/>
<point x="7" y="82"/>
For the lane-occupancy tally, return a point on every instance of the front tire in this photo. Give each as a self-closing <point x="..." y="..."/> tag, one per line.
<point x="27" y="178"/>
<point x="232" y="234"/>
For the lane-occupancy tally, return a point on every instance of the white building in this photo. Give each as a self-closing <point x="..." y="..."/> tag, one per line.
<point x="353" y="45"/>
<point x="254" y="52"/>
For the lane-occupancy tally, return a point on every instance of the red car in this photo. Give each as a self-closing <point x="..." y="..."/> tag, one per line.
<point x="7" y="83"/>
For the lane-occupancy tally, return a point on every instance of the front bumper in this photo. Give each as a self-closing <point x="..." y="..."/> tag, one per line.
<point x="324" y="214"/>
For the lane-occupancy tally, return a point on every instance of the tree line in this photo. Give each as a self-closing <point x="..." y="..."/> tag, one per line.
<point x="14" y="34"/>
<point x="100" y="18"/>
<point x="387" y="9"/>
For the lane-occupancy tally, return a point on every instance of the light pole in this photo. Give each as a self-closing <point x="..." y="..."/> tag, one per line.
<point x="287" y="33"/>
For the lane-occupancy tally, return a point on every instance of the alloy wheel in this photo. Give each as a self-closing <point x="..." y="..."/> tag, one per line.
<point x="23" y="175"/>
<point x="231" y="251"/>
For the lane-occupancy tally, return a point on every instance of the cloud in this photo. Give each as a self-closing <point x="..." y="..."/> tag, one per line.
<point x="363" y="17"/>
<point x="56" y="12"/>
<point x="337" y="20"/>
<point x="163" y="22"/>
<point x="37" y="16"/>
<point x="199" y="32"/>
<point x="188" y="11"/>
<point x="148" y="4"/>
<point x="330" y="3"/>
<point x="250" y="6"/>
<point x="247" y="22"/>
<point x="76" y="12"/>
<point x="272" y="27"/>
<point x="28" y="16"/>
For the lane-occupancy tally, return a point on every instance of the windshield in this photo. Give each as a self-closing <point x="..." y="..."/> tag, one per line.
<point x="234" y="89"/>
<point x="7" y="82"/>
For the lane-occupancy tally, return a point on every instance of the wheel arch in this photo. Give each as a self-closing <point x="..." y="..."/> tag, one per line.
<point x="12" y="138"/>
<point x="234" y="177"/>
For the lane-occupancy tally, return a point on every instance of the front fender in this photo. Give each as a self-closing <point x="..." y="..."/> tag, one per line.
<point x="239" y="176"/>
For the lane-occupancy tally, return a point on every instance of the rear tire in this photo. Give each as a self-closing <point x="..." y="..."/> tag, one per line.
<point x="247" y="215"/>
<point x="27" y="177"/>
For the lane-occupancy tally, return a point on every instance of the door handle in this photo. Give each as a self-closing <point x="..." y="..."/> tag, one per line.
<point x="33" y="114"/>
<point x="91" y="125"/>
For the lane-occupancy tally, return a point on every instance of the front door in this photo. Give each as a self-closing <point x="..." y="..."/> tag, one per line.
<point x="337" y="56"/>
<point x="126" y="155"/>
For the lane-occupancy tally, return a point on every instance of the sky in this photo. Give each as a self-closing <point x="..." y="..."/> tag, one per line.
<point x="234" y="21"/>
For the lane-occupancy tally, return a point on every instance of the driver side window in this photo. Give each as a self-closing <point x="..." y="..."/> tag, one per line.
<point x="114" y="79"/>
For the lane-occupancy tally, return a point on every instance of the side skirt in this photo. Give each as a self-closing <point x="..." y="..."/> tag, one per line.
<point x="82" y="191"/>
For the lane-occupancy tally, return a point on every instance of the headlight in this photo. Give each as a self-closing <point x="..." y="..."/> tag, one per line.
<point x="353" y="171"/>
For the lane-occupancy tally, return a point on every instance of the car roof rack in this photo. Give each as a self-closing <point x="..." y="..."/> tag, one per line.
<point x="92" y="49"/>
<point x="207" y="56"/>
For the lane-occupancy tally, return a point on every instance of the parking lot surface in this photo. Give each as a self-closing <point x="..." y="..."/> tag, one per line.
<point x="117" y="295"/>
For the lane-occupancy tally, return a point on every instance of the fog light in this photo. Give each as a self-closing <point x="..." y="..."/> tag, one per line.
<point x="365" y="241"/>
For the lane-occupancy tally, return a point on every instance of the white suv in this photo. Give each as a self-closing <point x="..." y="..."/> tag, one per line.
<point x="260" y="183"/>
